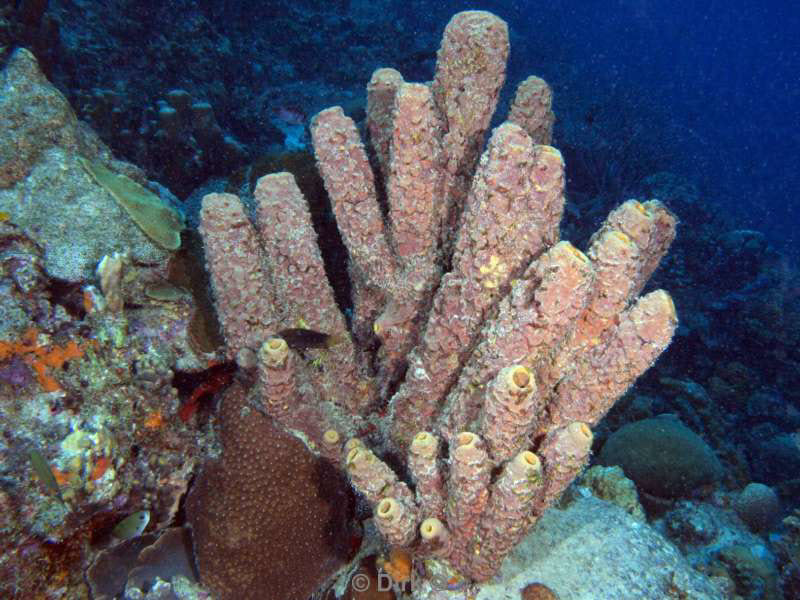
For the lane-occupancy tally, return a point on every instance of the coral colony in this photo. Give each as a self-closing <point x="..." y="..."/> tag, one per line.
<point x="499" y="345"/>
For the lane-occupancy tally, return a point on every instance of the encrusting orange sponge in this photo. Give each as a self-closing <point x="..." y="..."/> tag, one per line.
<point x="398" y="565"/>
<point x="41" y="358"/>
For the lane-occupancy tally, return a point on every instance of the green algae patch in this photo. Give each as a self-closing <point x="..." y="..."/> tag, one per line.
<point x="164" y="292"/>
<point x="160" y="222"/>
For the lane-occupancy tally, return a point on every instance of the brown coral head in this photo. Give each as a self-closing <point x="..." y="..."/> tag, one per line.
<point x="537" y="591"/>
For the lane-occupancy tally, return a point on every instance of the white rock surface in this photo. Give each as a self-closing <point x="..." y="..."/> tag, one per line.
<point x="593" y="550"/>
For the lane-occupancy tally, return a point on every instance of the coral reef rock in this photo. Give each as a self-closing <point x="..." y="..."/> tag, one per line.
<point x="594" y="549"/>
<point x="43" y="186"/>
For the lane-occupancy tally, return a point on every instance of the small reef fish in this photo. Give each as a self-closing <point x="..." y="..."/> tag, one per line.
<point x="131" y="526"/>
<point x="299" y="339"/>
<point x="218" y="377"/>
<point x="289" y="114"/>
<point x="45" y="474"/>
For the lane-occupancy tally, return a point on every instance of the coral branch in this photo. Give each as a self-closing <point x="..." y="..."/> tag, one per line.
<point x="564" y="452"/>
<point x="381" y="90"/>
<point x="416" y="175"/>
<point x="372" y="477"/>
<point x="532" y="320"/>
<point x="512" y="214"/>
<point x="470" y="70"/>
<point x="643" y="332"/>
<point x="302" y="288"/>
<point x="350" y="183"/>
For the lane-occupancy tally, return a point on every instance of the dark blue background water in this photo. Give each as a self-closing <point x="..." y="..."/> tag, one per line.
<point x="711" y="87"/>
<point x="727" y="73"/>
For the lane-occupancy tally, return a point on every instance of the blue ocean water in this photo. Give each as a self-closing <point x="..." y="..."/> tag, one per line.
<point x="722" y="76"/>
<point x="716" y="84"/>
<point x="709" y="89"/>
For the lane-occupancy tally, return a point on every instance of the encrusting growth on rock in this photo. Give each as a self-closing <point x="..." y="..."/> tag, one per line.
<point x="476" y="332"/>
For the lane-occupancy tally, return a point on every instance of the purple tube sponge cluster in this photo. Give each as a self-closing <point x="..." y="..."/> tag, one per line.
<point x="475" y="328"/>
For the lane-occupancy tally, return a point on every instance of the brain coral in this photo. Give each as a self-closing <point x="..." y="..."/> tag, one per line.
<point x="662" y="456"/>
<point x="537" y="591"/>
<point x="268" y="517"/>
<point x="758" y="506"/>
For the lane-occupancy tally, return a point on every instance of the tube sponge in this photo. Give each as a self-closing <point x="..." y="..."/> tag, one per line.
<point x="372" y="477"/>
<point x="468" y="493"/>
<point x="423" y="456"/>
<point x="506" y="518"/>
<point x="396" y="521"/>
<point x="435" y="537"/>
<point x="510" y="412"/>
<point x="238" y="276"/>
